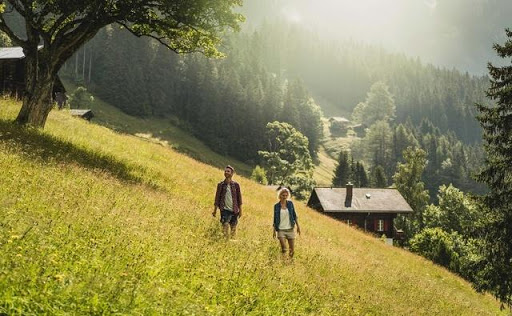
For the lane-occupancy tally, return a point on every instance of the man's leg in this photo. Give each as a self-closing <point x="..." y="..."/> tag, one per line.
<point x="233" y="231"/>
<point x="225" y="229"/>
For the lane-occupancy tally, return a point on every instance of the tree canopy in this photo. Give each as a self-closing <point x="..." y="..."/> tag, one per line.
<point x="287" y="160"/>
<point x="63" y="26"/>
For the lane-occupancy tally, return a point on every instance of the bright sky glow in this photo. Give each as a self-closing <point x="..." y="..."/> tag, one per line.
<point x="436" y="31"/>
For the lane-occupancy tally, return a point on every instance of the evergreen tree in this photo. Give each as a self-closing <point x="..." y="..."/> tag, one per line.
<point x="379" y="179"/>
<point x="496" y="121"/>
<point x="342" y="174"/>
<point x="360" y="176"/>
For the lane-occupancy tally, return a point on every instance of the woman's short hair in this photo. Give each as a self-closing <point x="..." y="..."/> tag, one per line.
<point x="284" y="189"/>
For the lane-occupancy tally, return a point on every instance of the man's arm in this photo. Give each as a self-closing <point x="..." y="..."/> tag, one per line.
<point x="239" y="199"/>
<point x="216" y="202"/>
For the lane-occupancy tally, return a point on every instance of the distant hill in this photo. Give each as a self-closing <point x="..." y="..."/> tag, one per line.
<point x="98" y="222"/>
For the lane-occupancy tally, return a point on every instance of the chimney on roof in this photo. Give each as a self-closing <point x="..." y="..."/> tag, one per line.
<point x="348" y="197"/>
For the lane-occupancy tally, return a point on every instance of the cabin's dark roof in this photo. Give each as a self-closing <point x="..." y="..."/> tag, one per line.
<point x="363" y="200"/>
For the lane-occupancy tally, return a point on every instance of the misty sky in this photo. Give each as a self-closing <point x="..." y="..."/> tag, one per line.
<point x="450" y="33"/>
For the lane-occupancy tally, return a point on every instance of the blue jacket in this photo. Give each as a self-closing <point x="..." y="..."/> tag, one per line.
<point x="277" y="217"/>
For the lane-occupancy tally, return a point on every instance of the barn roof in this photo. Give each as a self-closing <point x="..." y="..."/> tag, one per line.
<point x="13" y="52"/>
<point x="364" y="200"/>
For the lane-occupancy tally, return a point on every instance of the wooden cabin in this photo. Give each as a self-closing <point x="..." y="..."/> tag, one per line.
<point x="12" y="73"/>
<point x="371" y="209"/>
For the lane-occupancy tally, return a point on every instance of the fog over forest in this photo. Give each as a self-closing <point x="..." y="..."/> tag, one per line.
<point x="449" y="33"/>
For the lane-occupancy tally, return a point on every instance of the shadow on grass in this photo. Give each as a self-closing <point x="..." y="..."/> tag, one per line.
<point x="35" y="145"/>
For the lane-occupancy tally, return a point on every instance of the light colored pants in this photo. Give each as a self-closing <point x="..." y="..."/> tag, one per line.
<point x="286" y="233"/>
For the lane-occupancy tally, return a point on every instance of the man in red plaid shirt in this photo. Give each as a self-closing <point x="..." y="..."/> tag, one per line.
<point x="228" y="199"/>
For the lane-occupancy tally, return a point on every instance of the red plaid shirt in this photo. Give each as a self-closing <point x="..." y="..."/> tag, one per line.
<point x="235" y="193"/>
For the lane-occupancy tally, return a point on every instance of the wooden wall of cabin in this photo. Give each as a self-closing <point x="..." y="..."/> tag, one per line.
<point x="369" y="222"/>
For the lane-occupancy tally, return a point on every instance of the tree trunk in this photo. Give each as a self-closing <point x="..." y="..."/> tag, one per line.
<point x="37" y="98"/>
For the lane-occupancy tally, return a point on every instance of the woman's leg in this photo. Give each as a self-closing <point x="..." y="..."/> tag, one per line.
<point x="282" y="241"/>
<point x="291" y="244"/>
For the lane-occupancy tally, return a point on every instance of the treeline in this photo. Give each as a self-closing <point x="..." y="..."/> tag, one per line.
<point x="375" y="157"/>
<point x="339" y="74"/>
<point x="226" y="103"/>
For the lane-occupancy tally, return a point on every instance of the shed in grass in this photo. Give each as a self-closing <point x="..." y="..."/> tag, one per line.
<point x="85" y="114"/>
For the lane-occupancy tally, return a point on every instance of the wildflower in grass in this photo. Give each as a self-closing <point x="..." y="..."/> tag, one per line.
<point x="228" y="199"/>
<point x="285" y="220"/>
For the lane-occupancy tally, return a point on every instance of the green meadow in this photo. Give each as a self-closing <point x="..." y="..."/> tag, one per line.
<point x="94" y="221"/>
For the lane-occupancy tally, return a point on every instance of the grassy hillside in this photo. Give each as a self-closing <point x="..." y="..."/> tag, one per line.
<point x="97" y="222"/>
<point x="328" y="154"/>
<point x="160" y="130"/>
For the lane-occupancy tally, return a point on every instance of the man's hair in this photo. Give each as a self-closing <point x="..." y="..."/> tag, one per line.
<point x="232" y="169"/>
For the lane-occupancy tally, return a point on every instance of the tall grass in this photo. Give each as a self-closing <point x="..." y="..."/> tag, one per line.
<point x="97" y="222"/>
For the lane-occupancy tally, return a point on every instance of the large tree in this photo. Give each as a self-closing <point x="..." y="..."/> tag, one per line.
<point x="407" y="181"/>
<point x="56" y="29"/>
<point x="496" y="121"/>
<point x="379" y="105"/>
<point x="287" y="153"/>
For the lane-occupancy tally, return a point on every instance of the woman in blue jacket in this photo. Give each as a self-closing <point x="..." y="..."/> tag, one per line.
<point x="285" y="220"/>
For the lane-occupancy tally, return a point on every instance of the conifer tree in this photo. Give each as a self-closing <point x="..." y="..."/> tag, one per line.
<point x="360" y="176"/>
<point x="342" y="174"/>
<point x="379" y="179"/>
<point x="496" y="121"/>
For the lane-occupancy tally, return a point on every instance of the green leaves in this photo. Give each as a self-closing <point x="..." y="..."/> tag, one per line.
<point x="287" y="154"/>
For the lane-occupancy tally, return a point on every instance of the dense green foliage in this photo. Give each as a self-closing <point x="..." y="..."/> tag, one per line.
<point x="496" y="121"/>
<point x="5" y="41"/>
<point x="449" y="159"/>
<point x="449" y="234"/>
<point x="258" y="174"/>
<point x="378" y="106"/>
<point x="286" y="159"/>
<point x="80" y="98"/>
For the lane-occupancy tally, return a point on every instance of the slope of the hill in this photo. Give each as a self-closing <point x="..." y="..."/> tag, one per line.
<point x="96" y="222"/>
<point x="328" y="153"/>
<point x="159" y="130"/>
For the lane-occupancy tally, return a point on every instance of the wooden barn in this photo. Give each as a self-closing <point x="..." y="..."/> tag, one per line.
<point x="371" y="209"/>
<point x="12" y="72"/>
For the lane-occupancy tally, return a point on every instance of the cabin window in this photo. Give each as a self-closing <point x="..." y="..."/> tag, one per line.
<point x="349" y="222"/>
<point x="380" y="225"/>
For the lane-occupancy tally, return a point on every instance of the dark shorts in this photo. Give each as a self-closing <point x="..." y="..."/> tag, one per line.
<point x="228" y="217"/>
